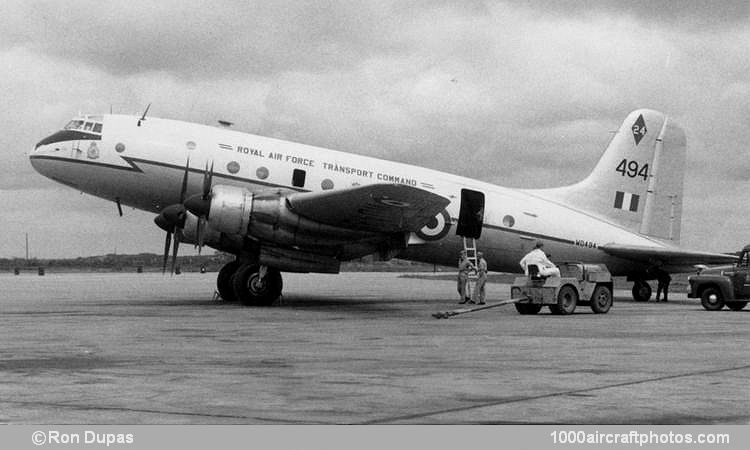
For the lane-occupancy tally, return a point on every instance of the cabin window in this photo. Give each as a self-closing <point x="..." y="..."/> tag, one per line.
<point x="326" y="184"/>
<point x="261" y="173"/>
<point x="298" y="178"/>
<point x="233" y="167"/>
<point x="509" y="221"/>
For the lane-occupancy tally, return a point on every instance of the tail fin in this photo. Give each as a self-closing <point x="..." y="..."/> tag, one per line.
<point x="638" y="181"/>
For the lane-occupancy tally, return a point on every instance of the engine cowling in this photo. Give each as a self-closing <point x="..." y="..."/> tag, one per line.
<point x="235" y="210"/>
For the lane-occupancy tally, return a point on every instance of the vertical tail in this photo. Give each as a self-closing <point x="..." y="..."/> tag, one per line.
<point x="638" y="181"/>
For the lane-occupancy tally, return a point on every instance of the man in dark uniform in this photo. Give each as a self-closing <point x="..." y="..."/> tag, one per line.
<point x="663" y="279"/>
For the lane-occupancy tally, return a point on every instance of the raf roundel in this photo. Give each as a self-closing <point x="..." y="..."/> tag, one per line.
<point x="436" y="228"/>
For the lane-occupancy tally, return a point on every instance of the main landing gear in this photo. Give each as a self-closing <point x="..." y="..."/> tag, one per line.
<point x="641" y="291"/>
<point x="250" y="284"/>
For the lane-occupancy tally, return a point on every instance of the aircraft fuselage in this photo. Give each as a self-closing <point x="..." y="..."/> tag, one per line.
<point x="142" y="166"/>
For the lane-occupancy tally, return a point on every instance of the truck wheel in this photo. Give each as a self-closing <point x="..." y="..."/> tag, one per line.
<point x="711" y="299"/>
<point x="641" y="291"/>
<point x="736" y="306"/>
<point x="601" y="300"/>
<point x="567" y="299"/>
<point x="528" y="308"/>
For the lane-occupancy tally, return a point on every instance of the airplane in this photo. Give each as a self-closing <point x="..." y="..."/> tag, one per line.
<point x="281" y="206"/>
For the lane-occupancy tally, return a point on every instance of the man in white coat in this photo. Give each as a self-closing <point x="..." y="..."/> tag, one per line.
<point x="539" y="258"/>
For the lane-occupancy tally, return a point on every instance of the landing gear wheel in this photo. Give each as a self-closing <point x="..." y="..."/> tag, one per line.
<point x="736" y="306"/>
<point x="601" y="301"/>
<point x="224" y="281"/>
<point x="567" y="299"/>
<point x="641" y="291"/>
<point x="711" y="299"/>
<point x="528" y="308"/>
<point x="253" y="290"/>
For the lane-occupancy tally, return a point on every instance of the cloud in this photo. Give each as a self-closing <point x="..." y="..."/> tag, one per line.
<point x="520" y="94"/>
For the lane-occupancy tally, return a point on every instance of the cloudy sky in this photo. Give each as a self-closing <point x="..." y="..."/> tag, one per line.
<point x="520" y="93"/>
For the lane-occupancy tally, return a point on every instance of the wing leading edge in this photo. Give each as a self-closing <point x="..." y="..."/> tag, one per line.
<point x="384" y="208"/>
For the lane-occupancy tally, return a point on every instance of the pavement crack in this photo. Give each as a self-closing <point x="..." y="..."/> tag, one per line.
<point x="400" y="418"/>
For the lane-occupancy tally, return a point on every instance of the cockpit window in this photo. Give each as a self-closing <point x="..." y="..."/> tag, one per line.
<point x="85" y="125"/>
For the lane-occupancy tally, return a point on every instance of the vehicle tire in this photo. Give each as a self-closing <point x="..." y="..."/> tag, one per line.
<point x="224" y="281"/>
<point x="601" y="300"/>
<point x="250" y="290"/>
<point x="567" y="299"/>
<point x="641" y="291"/>
<point x="711" y="299"/>
<point x="736" y="306"/>
<point x="528" y="308"/>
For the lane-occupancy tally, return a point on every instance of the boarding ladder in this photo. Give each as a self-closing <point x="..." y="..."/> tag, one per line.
<point x="470" y="247"/>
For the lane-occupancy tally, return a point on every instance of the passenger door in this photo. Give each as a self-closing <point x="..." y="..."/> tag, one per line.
<point x="471" y="214"/>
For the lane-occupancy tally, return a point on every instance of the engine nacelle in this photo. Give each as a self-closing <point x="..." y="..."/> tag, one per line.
<point x="230" y="209"/>
<point x="236" y="210"/>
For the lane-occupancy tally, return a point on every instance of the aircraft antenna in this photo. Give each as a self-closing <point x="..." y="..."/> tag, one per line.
<point x="143" y="117"/>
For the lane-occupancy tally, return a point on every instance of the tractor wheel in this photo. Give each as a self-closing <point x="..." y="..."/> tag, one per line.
<point x="601" y="301"/>
<point x="567" y="299"/>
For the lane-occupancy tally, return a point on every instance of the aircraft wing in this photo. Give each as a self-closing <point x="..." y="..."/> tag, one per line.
<point x="383" y="208"/>
<point x="668" y="256"/>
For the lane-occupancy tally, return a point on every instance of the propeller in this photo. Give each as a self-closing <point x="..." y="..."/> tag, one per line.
<point x="172" y="220"/>
<point x="200" y="204"/>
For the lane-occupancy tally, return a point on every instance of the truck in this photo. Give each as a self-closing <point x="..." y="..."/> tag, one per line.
<point x="723" y="286"/>
<point x="578" y="284"/>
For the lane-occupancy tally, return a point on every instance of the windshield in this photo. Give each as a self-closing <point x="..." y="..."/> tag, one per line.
<point x="89" y="124"/>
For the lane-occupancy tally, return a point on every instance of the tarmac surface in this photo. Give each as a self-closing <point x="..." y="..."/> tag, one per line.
<point x="355" y="348"/>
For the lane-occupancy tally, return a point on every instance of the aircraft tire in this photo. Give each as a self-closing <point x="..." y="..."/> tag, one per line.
<point x="711" y="299"/>
<point x="250" y="291"/>
<point x="567" y="299"/>
<point x="224" y="281"/>
<point x="736" y="306"/>
<point x="601" y="300"/>
<point x="641" y="291"/>
<point x="528" y="308"/>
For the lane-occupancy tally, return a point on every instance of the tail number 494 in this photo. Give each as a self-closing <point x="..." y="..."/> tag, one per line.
<point x="632" y="169"/>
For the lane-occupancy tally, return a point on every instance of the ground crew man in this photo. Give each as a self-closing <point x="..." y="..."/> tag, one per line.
<point x="481" y="279"/>
<point x="538" y="258"/>
<point x="464" y="267"/>
<point x="663" y="279"/>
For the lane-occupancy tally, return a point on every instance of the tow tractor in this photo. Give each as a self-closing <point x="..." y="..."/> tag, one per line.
<point x="579" y="284"/>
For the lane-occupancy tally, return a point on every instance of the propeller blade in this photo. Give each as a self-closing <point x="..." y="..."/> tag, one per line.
<point x="183" y="191"/>
<point x="199" y="233"/>
<point x="207" y="178"/>
<point x="167" y="243"/>
<point x="175" y="249"/>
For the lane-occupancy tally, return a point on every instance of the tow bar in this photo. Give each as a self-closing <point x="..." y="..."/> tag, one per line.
<point x="455" y="312"/>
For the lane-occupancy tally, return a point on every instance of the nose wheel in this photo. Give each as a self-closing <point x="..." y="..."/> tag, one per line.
<point x="256" y="285"/>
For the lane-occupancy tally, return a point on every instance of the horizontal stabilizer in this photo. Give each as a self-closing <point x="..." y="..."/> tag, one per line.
<point x="666" y="256"/>
<point x="384" y="208"/>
